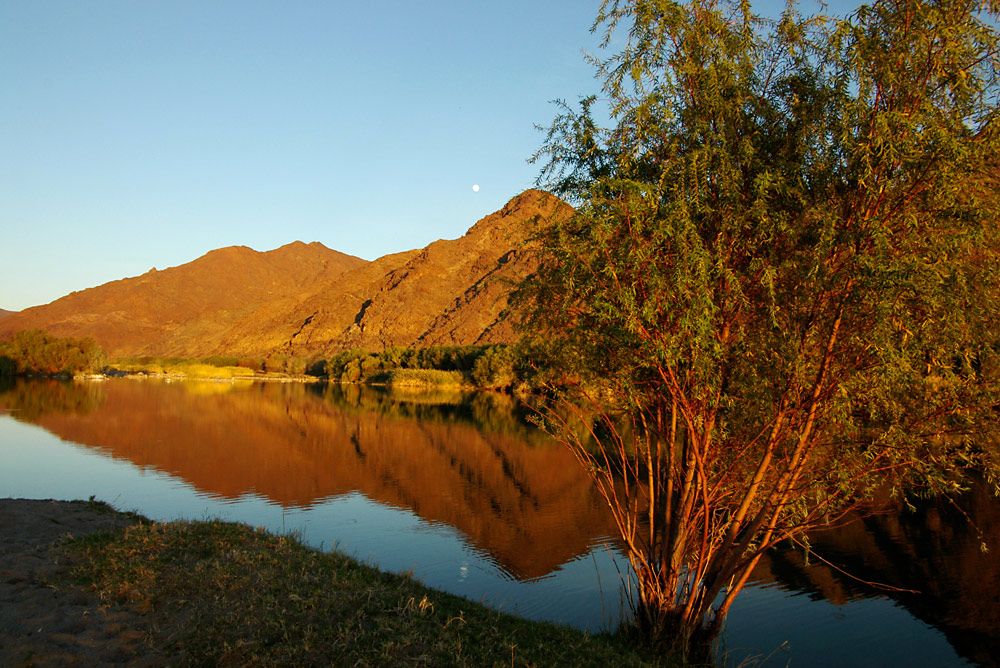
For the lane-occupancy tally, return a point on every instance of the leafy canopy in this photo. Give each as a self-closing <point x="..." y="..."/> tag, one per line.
<point x="783" y="266"/>
<point x="34" y="351"/>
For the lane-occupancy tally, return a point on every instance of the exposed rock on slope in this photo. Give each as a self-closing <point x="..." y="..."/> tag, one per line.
<point x="451" y="292"/>
<point x="307" y="300"/>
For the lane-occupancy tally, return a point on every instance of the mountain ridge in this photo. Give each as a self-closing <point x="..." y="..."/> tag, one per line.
<point x="306" y="300"/>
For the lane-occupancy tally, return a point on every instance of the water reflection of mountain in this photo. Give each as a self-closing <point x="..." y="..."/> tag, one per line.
<point x="934" y="550"/>
<point x="518" y="496"/>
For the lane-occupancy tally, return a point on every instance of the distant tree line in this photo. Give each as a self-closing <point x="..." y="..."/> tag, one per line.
<point x="491" y="366"/>
<point x="35" y="351"/>
<point x="497" y="366"/>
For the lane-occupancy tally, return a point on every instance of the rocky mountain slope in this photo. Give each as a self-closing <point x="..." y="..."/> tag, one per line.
<point x="305" y="300"/>
<point x="165" y="312"/>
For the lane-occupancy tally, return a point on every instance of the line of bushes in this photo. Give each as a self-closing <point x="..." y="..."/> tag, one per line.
<point x="492" y="366"/>
<point x="216" y="366"/>
<point x="275" y="363"/>
<point x="497" y="366"/>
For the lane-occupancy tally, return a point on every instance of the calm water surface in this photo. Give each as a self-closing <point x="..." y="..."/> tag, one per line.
<point x="460" y="491"/>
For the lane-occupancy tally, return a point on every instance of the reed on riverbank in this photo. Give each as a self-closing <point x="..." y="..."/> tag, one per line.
<point x="217" y="593"/>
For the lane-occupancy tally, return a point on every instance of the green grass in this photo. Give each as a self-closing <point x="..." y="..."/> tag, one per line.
<point x="428" y="378"/>
<point x="215" y="593"/>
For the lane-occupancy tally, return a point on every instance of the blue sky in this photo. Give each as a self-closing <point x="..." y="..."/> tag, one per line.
<point x="138" y="134"/>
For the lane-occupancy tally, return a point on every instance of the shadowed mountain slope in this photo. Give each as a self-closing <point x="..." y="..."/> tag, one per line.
<point x="307" y="300"/>
<point x="4" y="313"/>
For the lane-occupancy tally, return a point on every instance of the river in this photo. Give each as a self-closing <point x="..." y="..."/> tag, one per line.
<point x="461" y="491"/>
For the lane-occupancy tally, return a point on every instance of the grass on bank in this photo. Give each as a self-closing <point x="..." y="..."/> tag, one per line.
<point x="185" y="367"/>
<point x="422" y="379"/>
<point x="216" y="593"/>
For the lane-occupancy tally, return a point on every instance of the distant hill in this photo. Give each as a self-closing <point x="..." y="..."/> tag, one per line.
<point x="304" y="300"/>
<point x="167" y="312"/>
<point x="4" y="314"/>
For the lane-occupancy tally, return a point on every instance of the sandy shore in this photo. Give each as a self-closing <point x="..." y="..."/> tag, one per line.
<point x="44" y="622"/>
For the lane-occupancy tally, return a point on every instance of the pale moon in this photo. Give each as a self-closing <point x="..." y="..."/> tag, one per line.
<point x="475" y="188"/>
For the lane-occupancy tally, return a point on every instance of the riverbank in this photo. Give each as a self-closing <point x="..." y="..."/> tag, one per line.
<point x="211" y="374"/>
<point x="124" y="590"/>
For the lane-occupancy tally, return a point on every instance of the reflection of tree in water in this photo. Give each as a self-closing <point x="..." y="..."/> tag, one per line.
<point x="931" y="557"/>
<point x="30" y="400"/>
<point x="490" y="412"/>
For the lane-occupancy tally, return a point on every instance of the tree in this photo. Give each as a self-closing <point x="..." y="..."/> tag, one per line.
<point x="8" y="367"/>
<point x="783" y="272"/>
<point x="35" y="351"/>
<point x="495" y="367"/>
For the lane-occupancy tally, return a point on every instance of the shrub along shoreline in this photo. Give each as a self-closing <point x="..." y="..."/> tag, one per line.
<point x="215" y="593"/>
<point x="495" y="367"/>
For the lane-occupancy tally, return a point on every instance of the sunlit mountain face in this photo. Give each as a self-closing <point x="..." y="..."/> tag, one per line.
<point x="305" y="300"/>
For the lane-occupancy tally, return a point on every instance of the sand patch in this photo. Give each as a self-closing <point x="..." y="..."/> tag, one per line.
<point x="45" y="622"/>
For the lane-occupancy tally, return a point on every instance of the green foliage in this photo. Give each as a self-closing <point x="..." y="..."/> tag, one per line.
<point x="221" y="360"/>
<point x="421" y="378"/>
<point x="495" y="367"/>
<point x="491" y="366"/>
<point x="346" y="366"/>
<point x="784" y="266"/>
<point x="282" y="363"/>
<point x="207" y="367"/>
<point x="446" y="358"/>
<point x="35" y="351"/>
<point x="316" y="367"/>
